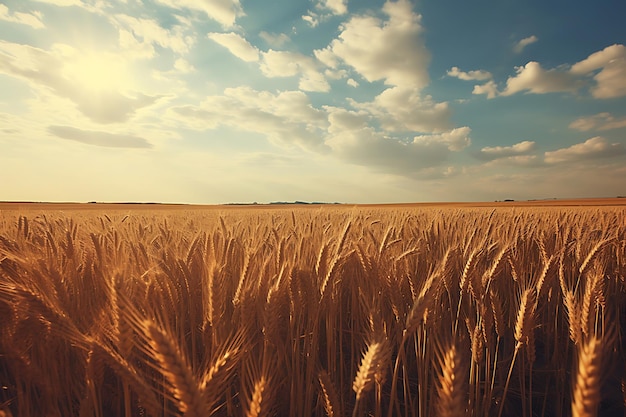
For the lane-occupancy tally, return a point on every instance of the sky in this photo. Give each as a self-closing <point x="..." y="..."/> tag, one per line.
<point x="224" y="101"/>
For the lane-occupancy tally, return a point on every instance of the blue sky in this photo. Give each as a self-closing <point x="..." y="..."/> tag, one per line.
<point x="214" y="101"/>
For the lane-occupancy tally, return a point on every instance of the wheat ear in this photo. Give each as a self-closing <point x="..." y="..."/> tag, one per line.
<point x="586" y="397"/>
<point x="255" y="406"/>
<point x="182" y="384"/>
<point x="373" y="366"/>
<point x="452" y="389"/>
<point x="332" y="404"/>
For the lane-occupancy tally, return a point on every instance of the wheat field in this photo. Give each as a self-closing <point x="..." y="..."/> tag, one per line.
<point x="317" y="311"/>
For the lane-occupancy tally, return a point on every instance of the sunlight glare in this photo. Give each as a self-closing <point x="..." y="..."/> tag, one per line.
<point x="99" y="72"/>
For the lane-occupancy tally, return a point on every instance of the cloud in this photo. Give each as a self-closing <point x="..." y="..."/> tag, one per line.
<point x="490" y="88"/>
<point x="606" y="67"/>
<point x="237" y="45"/>
<point x="519" y="46"/>
<point x="352" y="83"/>
<point x="274" y="39"/>
<point x="515" y="160"/>
<point x="225" y="12"/>
<point x="600" y="121"/>
<point x="289" y="64"/>
<point x="105" y="139"/>
<point x="311" y="18"/>
<point x="496" y="152"/>
<point x="55" y="70"/>
<point x="596" y="147"/>
<point x="404" y="109"/>
<point x="337" y="7"/>
<point x="611" y="79"/>
<point x="30" y="19"/>
<point x="183" y="66"/>
<point x="392" y="50"/>
<point x="477" y="75"/>
<point x="62" y="3"/>
<point x="534" y="79"/>
<point x="599" y="59"/>
<point x="286" y="118"/>
<point x="354" y="141"/>
<point x="141" y="34"/>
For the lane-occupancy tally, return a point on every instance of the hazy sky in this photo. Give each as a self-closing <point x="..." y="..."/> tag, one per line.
<point x="213" y="101"/>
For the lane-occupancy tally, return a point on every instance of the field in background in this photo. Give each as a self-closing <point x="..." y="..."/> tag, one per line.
<point x="402" y="310"/>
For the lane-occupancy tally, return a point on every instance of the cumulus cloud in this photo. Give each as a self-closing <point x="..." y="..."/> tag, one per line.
<point x="599" y="59"/>
<point x="97" y="138"/>
<point x="534" y="79"/>
<point x="353" y="140"/>
<point x="337" y="7"/>
<point x="478" y="75"/>
<point x="496" y="152"/>
<point x="607" y="69"/>
<point x="352" y="83"/>
<point x="289" y="64"/>
<point x="519" y="46"/>
<point x="600" y="121"/>
<point x="30" y="19"/>
<point x="596" y="147"/>
<point x="286" y="118"/>
<point x="49" y="69"/>
<point x="490" y="89"/>
<point x="237" y="45"/>
<point x="391" y="50"/>
<point x="611" y="79"/>
<point x="404" y="109"/>
<point x="225" y="12"/>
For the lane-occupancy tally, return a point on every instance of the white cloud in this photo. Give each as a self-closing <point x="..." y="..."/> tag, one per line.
<point x="353" y="140"/>
<point x="599" y="59"/>
<point x="98" y="138"/>
<point x="477" y="75"/>
<point x="455" y="139"/>
<point x="391" y="50"/>
<point x="600" y="121"/>
<point x="225" y="12"/>
<point x="596" y="147"/>
<point x="611" y="79"/>
<point x="289" y="64"/>
<point x="519" y="47"/>
<point x="515" y="160"/>
<point x="496" y="152"/>
<point x="490" y="88"/>
<point x="311" y="18"/>
<point x="337" y="7"/>
<point x="274" y="39"/>
<point x="237" y="45"/>
<point x="147" y="31"/>
<point x="352" y="83"/>
<point x="183" y="66"/>
<point x="286" y="118"/>
<point x="534" y="79"/>
<point x="404" y="109"/>
<point x="30" y="19"/>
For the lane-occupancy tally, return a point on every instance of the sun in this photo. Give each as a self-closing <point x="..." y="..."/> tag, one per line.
<point x="99" y="72"/>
